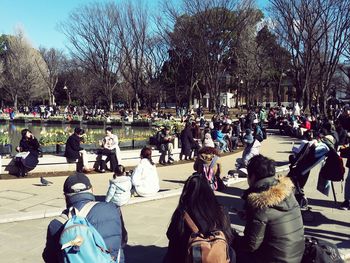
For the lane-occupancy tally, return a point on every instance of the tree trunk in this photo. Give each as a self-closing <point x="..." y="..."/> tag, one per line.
<point x="15" y="101"/>
<point x="111" y="106"/>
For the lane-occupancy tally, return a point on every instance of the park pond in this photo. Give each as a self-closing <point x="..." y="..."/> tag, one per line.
<point x="127" y="135"/>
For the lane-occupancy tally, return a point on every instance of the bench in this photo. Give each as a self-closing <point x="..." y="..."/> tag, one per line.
<point x="58" y="163"/>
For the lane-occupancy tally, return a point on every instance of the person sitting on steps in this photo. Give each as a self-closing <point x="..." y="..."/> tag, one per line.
<point x="29" y="151"/>
<point x="74" y="152"/>
<point x="109" y="151"/>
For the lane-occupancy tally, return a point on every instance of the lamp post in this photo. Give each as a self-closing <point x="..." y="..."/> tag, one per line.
<point x="68" y="94"/>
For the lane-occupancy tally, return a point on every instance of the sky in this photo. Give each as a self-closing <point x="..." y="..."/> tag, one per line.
<point x="39" y="19"/>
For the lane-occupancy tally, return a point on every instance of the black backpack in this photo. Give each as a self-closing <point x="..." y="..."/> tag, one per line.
<point x="320" y="251"/>
<point x="333" y="169"/>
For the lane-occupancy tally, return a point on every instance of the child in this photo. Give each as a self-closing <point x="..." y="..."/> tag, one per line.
<point x="119" y="191"/>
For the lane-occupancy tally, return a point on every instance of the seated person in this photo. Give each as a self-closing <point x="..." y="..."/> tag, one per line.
<point x="200" y="203"/>
<point x="209" y="156"/>
<point x="252" y="148"/>
<point x="165" y="145"/>
<point x="74" y="152"/>
<point x="119" y="191"/>
<point x="28" y="156"/>
<point x="109" y="151"/>
<point x="145" y="178"/>
<point x="274" y="230"/>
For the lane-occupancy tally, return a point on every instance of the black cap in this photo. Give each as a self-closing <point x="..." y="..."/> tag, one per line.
<point x="76" y="183"/>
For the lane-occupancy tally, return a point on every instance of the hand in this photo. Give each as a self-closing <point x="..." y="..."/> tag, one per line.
<point x="18" y="149"/>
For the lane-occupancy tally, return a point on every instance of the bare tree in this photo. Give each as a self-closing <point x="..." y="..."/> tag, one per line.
<point x="133" y="31"/>
<point x="53" y="60"/>
<point x="21" y="68"/>
<point x="315" y="32"/>
<point x="91" y="30"/>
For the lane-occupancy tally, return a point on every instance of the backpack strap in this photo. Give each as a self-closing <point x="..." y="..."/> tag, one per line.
<point x="86" y="209"/>
<point x="63" y="218"/>
<point x="213" y="162"/>
<point x="190" y="223"/>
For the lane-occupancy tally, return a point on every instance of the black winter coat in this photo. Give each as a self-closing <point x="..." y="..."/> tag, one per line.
<point x="73" y="147"/>
<point x="187" y="141"/>
<point x="274" y="229"/>
<point x="33" y="147"/>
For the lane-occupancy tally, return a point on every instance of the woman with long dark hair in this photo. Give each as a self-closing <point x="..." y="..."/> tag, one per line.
<point x="145" y="177"/>
<point x="28" y="156"/>
<point x="200" y="203"/>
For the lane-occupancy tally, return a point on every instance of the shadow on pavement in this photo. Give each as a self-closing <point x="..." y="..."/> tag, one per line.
<point x="174" y="181"/>
<point x="320" y="219"/>
<point x="326" y="234"/>
<point x="144" y="254"/>
<point x="324" y="203"/>
<point x="281" y="163"/>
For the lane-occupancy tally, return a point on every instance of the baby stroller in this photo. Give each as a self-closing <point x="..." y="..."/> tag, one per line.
<point x="300" y="167"/>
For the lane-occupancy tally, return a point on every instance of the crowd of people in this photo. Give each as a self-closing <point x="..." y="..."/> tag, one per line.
<point x="274" y="229"/>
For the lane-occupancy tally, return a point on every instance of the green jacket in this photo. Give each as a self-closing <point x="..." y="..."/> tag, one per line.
<point x="274" y="229"/>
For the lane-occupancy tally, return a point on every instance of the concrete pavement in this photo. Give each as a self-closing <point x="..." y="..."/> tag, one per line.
<point x="147" y="222"/>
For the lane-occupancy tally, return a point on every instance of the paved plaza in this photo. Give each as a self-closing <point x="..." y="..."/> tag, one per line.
<point x="147" y="222"/>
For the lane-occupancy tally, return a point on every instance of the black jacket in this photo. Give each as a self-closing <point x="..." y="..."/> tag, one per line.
<point x="187" y="141"/>
<point x="33" y="147"/>
<point x="73" y="147"/>
<point x="274" y="229"/>
<point x="105" y="217"/>
<point x="178" y="242"/>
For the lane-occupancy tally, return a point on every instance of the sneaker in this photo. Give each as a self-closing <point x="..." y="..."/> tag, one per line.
<point x="345" y="205"/>
<point x="170" y="159"/>
<point x="102" y="171"/>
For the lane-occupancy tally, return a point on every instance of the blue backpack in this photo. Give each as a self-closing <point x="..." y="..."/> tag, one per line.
<point x="80" y="241"/>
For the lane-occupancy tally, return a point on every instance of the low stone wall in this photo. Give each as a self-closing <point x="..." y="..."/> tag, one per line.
<point x="58" y="163"/>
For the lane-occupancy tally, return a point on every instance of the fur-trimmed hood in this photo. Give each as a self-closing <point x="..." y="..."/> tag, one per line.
<point x="273" y="196"/>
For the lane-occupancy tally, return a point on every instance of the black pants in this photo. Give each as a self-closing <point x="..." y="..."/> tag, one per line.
<point x="111" y="157"/>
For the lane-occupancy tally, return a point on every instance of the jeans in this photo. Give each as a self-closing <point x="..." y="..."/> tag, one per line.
<point x="164" y="149"/>
<point x="224" y="145"/>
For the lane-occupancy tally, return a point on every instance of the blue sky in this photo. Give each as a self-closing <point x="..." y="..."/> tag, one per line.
<point x="39" y="18"/>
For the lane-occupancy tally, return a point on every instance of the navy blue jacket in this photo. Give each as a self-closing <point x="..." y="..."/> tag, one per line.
<point x="105" y="217"/>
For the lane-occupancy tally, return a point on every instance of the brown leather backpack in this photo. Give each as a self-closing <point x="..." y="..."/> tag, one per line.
<point x="206" y="248"/>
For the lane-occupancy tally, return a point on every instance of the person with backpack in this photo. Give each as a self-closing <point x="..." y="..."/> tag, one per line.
<point x="199" y="217"/>
<point x="208" y="165"/>
<point x="119" y="191"/>
<point x="87" y="231"/>
<point x="274" y="230"/>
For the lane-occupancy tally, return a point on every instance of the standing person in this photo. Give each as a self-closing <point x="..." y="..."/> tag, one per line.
<point x="274" y="230"/>
<point x="106" y="218"/>
<point x="199" y="202"/>
<point x="165" y="145"/>
<point x="110" y="150"/>
<point x="345" y="153"/>
<point x="187" y="142"/>
<point x="145" y="176"/>
<point x="28" y="156"/>
<point x="74" y="152"/>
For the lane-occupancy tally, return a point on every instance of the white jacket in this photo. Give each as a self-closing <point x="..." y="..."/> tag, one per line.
<point x="250" y="151"/>
<point x="145" y="178"/>
<point x="119" y="191"/>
